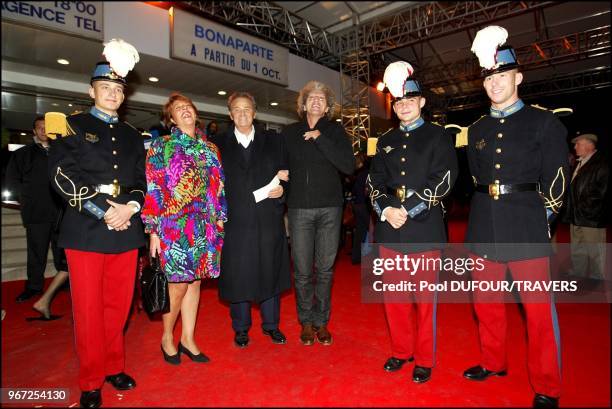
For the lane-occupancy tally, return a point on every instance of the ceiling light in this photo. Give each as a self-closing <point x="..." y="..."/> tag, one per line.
<point x="222" y="93"/>
<point x="55" y="104"/>
<point x="69" y="105"/>
<point x="22" y="134"/>
<point x="274" y="104"/>
<point x="63" y="61"/>
<point x="338" y="120"/>
<point x="153" y="79"/>
<point x="380" y="86"/>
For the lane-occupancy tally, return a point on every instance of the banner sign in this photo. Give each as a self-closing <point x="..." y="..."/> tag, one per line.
<point x="202" y="41"/>
<point x="84" y="18"/>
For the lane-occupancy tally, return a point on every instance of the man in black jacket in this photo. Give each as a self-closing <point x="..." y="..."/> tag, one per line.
<point x="27" y="178"/>
<point x="586" y="208"/>
<point x="318" y="149"/>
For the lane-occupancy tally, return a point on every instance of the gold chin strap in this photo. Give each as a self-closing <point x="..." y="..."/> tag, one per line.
<point x="553" y="202"/>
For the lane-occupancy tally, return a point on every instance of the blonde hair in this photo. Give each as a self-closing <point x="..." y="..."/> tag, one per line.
<point x="315" y="86"/>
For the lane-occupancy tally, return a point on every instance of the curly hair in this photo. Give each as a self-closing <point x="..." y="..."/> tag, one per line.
<point x="315" y="86"/>
<point x="167" y="111"/>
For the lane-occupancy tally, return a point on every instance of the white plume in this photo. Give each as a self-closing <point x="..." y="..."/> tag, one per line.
<point x="395" y="77"/>
<point x="121" y="55"/>
<point x="485" y="44"/>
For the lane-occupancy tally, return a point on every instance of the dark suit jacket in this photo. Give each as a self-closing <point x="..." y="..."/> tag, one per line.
<point x="255" y="257"/>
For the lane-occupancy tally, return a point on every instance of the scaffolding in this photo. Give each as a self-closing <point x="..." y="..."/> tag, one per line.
<point x="355" y="101"/>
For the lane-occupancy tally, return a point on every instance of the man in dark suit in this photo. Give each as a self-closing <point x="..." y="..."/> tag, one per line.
<point x="27" y="178"/>
<point x="98" y="167"/>
<point x="518" y="158"/>
<point x="255" y="262"/>
<point x="414" y="168"/>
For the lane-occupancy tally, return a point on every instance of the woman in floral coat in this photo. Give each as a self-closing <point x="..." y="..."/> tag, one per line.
<point x="184" y="212"/>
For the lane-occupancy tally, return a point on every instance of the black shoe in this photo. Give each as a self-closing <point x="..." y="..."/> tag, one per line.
<point x="277" y="336"/>
<point x="241" y="339"/>
<point x="421" y="374"/>
<point x="195" y="358"/>
<point x="478" y="373"/>
<point x="27" y="294"/>
<point x="121" y="381"/>
<point x="545" y="402"/>
<point x="91" y="399"/>
<point x="395" y="364"/>
<point x="171" y="359"/>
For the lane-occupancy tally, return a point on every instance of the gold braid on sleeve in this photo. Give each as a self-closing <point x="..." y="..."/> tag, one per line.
<point x="433" y="198"/>
<point x="551" y="201"/>
<point x="75" y="198"/>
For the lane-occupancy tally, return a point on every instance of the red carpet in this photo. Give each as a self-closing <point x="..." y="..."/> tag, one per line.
<point x="348" y="373"/>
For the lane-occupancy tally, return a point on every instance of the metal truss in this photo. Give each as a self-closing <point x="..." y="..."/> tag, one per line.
<point x="426" y="21"/>
<point x="574" y="82"/>
<point x="274" y="23"/>
<point x="355" y="77"/>
<point x="568" y="48"/>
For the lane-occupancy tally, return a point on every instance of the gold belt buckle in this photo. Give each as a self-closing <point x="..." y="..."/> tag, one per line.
<point x="494" y="190"/>
<point x="116" y="189"/>
<point x="401" y="194"/>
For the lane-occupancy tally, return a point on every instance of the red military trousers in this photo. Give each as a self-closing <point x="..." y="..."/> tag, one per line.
<point x="102" y="286"/>
<point x="543" y="336"/>
<point x="411" y="316"/>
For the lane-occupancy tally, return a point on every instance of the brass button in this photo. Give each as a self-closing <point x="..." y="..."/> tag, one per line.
<point x="114" y="152"/>
<point x="113" y="139"/>
<point x="403" y="159"/>
<point x="402" y="173"/>
<point x="497" y="181"/>
<point x="115" y="181"/>
<point x="499" y="135"/>
<point x="495" y="197"/>
<point x="111" y="125"/>
<point x="115" y="166"/>
<point x="497" y="166"/>
<point x="407" y="134"/>
<point x="498" y="150"/>
<point x="404" y="146"/>
<point x="501" y="121"/>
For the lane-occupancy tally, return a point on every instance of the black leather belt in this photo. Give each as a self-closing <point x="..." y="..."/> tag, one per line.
<point x="495" y="189"/>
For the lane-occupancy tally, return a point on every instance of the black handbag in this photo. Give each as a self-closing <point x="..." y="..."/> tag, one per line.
<point x="154" y="288"/>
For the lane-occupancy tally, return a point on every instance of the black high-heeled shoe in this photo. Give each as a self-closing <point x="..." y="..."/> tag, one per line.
<point x="195" y="358"/>
<point x="171" y="359"/>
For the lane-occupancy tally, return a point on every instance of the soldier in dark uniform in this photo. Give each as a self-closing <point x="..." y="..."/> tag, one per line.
<point x="98" y="167"/>
<point x="518" y="159"/>
<point x="414" y="167"/>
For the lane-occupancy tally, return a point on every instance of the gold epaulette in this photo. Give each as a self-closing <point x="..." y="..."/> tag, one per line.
<point x="540" y="107"/>
<point x="56" y="125"/>
<point x="371" y="144"/>
<point x="461" y="132"/>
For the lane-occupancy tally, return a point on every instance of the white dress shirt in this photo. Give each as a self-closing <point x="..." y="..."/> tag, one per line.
<point x="245" y="139"/>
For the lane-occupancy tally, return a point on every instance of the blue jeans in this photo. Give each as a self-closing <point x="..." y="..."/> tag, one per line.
<point x="315" y="235"/>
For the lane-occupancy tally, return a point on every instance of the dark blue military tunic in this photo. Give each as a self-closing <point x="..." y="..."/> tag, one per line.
<point x="98" y="150"/>
<point x="419" y="160"/>
<point x="519" y="145"/>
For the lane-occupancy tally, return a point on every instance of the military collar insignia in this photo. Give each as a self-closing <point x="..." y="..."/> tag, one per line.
<point x="414" y="125"/>
<point x="103" y="116"/>
<point x="388" y="149"/>
<point x="480" y="144"/>
<point x="502" y="113"/>
<point x="90" y="137"/>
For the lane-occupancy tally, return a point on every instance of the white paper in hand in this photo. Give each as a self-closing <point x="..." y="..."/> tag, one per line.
<point x="262" y="193"/>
